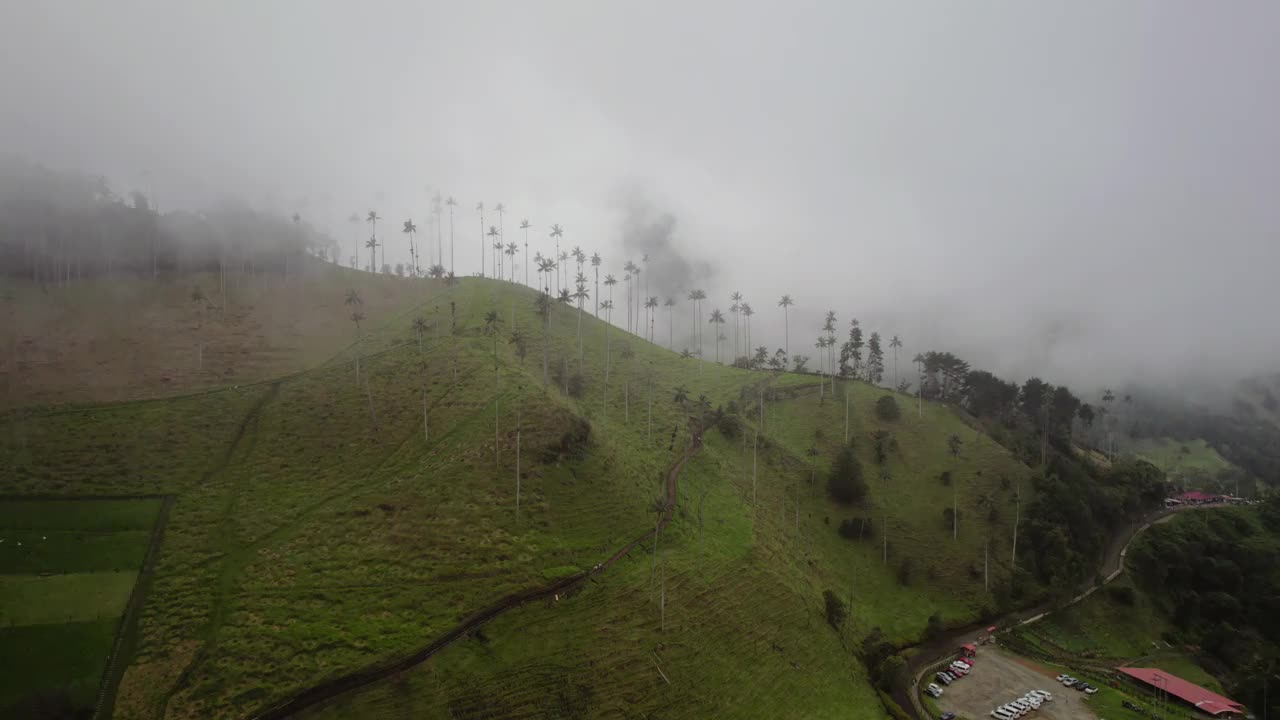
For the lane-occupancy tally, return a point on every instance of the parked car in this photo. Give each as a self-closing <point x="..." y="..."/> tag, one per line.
<point x="933" y="688"/>
<point x="968" y="662"/>
<point x="1089" y="689"/>
<point x="1080" y="685"/>
<point x="1062" y="677"/>
<point x="950" y="676"/>
<point x="942" y="678"/>
<point x="1069" y="681"/>
<point x="947" y="716"/>
<point x="1002" y="714"/>
<point x="1044" y="695"/>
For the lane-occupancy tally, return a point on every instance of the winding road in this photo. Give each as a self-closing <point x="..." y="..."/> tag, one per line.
<point x="904" y="691"/>
<point x="330" y="689"/>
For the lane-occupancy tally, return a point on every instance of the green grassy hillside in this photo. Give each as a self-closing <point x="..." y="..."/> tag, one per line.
<point x="318" y="529"/>
<point x="1180" y="459"/>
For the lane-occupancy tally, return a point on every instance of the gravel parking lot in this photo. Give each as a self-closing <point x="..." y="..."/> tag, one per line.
<point x="1000" y="677"/>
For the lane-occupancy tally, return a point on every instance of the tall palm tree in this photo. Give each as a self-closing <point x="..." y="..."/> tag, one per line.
<point x="452" y="204"/>
<point x="480" y="209"/>
<point x="607" y="306"/>
<point x="537" y="262"/>
<point x="919" y="361"/>
<point x="497" y="247"/>
<point x="670" y="305"/>
<point x="512" y="249"/>
<point x="419" y="327"/>
<point x="651" y="307"/>
<point x="697" y="296"/>
<point x="543" y="305"/>
<point x="736" y="309"/>
<point x="609" y="282"/>
<point x="580" y="294"/>
<point x="372" y="244"/>
<point x="717" y="319"/>
<point x="356" y="303"/>
<point x="785" y="303"/>
<point x="372" y="218"/>
<point x="630" y="269"/>
<point x="502" y="230"/>
<point x="437" y="209"/>
<point x="636" y="279"/>
<point x="563" y="264"/>
<point x="524" y="225"/>
<point x="747" y="312"/>
<point x="354" y="219"/>
<point x="557" y="232"/>
<point x="895" y="342"/>
<point x="410" y="229"/>
<point x="595" y="263"/>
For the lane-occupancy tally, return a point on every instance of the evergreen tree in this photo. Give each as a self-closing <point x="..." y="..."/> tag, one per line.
<point x="875" y="360"/>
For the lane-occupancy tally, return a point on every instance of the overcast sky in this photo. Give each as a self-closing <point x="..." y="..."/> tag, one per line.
<point x="1084" y="190"/>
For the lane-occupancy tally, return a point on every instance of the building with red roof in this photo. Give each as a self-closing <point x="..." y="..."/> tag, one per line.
<point x="1205" y="701"/>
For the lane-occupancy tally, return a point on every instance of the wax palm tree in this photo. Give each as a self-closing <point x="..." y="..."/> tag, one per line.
<point x="537" y="265"/>
<point x="681" y="396"/>
<point x="354" y="219"/>
<point x="747" y="312"/>
<point x="636" y="279"/>
<point x="502" y="229"/>
<point x="451" y="203"/>
<point x="651" y="307"/>
<point x="437" y="209"/>
<point x="497" y="247"/>
<point x="563" y="264"/>
<point x="410" y="229"/>
<point x="717" y="319"/>
<point x="372" y="218"/>
<point x="919" y="361"/>
<point x="557" y="232"/>
<point x="595" y="263"/>
<point x="480" y="209"/>
<point x="895" y="342"/>
<point x="524" y="225"/>
<point x="372" y="244"/>
<point x="543" y="305"/>
<point x="607" y="306"/>
<point x="609" y="282"/>
<point x="356" y="303"/>
<point x="630" y="268"/>
<point x="670" y="304"/>
<point x="697" y="296"/>
<point x="419" y="327"/>
<point x="581" y="295"/>
<point x="785" y="303"/>
<point x="736" y="309"/>
<point x="512" y="249"/>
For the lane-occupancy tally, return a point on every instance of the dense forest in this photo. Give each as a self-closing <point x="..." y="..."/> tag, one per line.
<point x="61" y="226"/>
<point x="1216" y="576"/>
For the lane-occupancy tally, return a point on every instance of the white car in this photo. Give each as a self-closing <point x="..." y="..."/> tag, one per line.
<point x="1023" y="706"/>
<point x="1043" y="695"/>
<point x="1062" y="677"/>
<point x="1069" y="681"/>
<point x="1001" y="714"/>
<point x="1090" y="690"/>
<point x="934" y="690"/>
<point x="1013" y="710"/>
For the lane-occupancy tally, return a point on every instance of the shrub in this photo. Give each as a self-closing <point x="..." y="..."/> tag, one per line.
<point x="730" y="426"/>
<point x="950" y="517"/>
<point x="1121" y="594"/>
<point x="934" y="628"/>
<point x="884" y="442"/>
<point x="889" y="670"/>
<point x="904" y="572"/>
<point x="887" y="408"/>
<point x="856" y="529"/>
<point x="945" y="478"/>
<point x="836" y="609"/>
<point x="577" y="386"/>
<point x="846" y="483"/>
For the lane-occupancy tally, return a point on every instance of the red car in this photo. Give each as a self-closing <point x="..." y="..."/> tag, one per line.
<point x="967" y="661"/>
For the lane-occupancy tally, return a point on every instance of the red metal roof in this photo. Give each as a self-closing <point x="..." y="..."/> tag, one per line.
<point x="1204" y="700"/>
<point x="1197" y="496"/>
<point x="971" y="647"/>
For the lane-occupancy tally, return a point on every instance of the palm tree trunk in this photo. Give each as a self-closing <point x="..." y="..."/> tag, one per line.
<point x="755" y="452"/>
<point x="518" y="422"/>
<point x="426" y="433"/>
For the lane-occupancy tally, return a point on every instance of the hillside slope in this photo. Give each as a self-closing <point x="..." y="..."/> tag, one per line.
<point x="319" y="528"/>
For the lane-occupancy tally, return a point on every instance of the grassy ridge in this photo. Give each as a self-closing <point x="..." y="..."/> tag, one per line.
<point x="317" y="530"/>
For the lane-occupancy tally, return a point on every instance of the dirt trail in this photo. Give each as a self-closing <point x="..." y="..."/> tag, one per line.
<point x="333" y="688"/>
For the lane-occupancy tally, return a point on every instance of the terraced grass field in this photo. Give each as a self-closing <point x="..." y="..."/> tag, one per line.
<point x="324" y="524"/>
<point x="67" y="568"/>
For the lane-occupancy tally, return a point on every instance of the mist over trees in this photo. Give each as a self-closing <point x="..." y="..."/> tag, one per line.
<point x="60" y="226"/>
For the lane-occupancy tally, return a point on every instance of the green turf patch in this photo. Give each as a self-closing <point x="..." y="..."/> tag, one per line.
<point x="87" y="515"/>
<point x="36" y="552"/>
<point x="53" y="661"/>
<point x="43" y="600"/>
